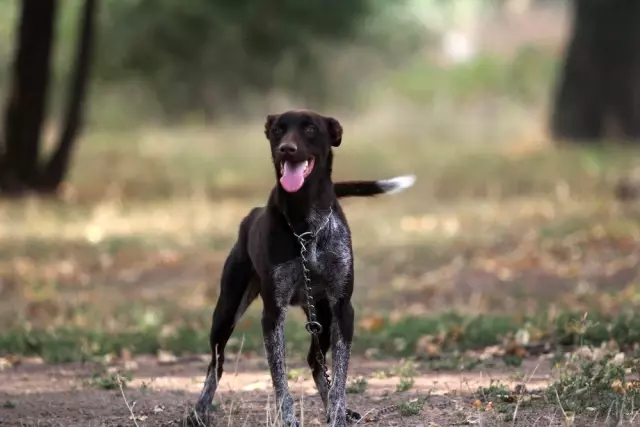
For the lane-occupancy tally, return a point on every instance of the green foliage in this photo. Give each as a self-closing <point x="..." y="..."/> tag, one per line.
<point x="495" y="392"/>
<point x="600" y="386"/>
<point x="405" y="384"/>
<point x="110" y="380"/>
<point x="61" y="345"/>
<point x="412" y="407"/>
<point x="213" y="54"/>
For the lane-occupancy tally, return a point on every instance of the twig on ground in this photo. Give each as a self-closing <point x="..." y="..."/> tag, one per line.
<point x="233" y="382"/>
<point x="130" y="407"/>
<point x="567" y="418"/>
<point x="515" y="411"/>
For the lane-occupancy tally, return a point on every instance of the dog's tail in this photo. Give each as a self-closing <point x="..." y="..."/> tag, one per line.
<point x="373" y="188"/>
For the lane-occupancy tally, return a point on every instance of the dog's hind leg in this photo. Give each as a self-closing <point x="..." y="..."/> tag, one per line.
<point x="237" y="291"/>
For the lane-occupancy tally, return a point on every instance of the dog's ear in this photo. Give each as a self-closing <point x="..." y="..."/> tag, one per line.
<point x="335" y="131"/>
<point x="271" y="118"/>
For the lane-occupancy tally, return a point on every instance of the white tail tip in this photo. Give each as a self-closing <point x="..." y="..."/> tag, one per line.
<point x="397" y="184"/>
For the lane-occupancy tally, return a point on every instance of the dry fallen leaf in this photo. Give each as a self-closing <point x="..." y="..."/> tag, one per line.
<point x="617" y="386"/>
<point x="4" y="363"/>
<point x="372" y="323"/>
<point x="426" y="346"/>
<point x="569" y="418"/>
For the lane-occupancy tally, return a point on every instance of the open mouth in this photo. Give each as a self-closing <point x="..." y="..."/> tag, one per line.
<point x="294" y="174"/>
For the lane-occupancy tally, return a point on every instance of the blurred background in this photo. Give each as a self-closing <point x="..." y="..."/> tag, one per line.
<point x="132" y="146"/>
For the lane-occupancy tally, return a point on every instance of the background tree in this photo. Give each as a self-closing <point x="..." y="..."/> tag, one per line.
<point x="21" y="168"/>
<point x="206" y="57"/>
<point x="599" y="87"/>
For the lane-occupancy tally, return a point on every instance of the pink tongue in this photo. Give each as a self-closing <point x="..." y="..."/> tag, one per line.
<point x="292" y="176"/>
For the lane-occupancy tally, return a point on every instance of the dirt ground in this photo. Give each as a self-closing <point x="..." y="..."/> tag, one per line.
<point x="36" y="394"/>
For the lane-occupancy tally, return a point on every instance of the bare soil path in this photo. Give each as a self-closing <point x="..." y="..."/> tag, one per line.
<point x="36" y="394"/>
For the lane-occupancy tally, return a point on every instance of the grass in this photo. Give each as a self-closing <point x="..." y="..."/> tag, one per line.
<point x="405" y="384"/>
<point x="412" y="408"/>
<point x="458" y="334"/>
<point x="151" y="263"/>
<point x="357" y="386"/>
<point x="110" y="380"/>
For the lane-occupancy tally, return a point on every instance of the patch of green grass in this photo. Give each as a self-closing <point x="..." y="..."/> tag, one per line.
<point x="110" y="380"/>
<point x="512" y="360"/>
<point x="65" y="344"/>
<point x="357" y="385"/>
<point x="381" y="374"/>
<point x="294" y="374"/>
<point x="404" y="369"/>
<point x="597" y="380"/>
<point x="498" y="398"/>
<point x="9" y="404"/>
<point x="605" y="386"/>
<point x="405" y="384"/>
<point x="412" y="407"/>
<point x="496" y="393"/>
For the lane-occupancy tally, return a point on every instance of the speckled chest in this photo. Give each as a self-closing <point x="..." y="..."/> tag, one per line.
<point x="329" y="259"/>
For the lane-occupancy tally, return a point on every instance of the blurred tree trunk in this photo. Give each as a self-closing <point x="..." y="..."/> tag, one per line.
<point x="58" y="166"/>
<point x="26" y="105"/>
<point x="20" y="168"/>
<point x="598" y="90"/>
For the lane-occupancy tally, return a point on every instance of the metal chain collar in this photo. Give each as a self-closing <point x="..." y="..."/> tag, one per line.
<point x="312" y="326"/>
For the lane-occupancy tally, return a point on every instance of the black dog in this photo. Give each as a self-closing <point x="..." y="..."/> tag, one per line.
<point x="302" y="214"/>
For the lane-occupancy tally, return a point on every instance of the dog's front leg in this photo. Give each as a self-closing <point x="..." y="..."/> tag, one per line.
<point x="273" y="330"/>
<point x="341" y="338"/>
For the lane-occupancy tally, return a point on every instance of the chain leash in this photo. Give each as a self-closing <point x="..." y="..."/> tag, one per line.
<point x="312" y="326"/>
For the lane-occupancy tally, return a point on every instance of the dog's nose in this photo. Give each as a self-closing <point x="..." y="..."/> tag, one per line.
<point x="287" y="148"/>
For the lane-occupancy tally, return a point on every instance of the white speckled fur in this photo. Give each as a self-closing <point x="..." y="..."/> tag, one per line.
<point x="330" y="259"/>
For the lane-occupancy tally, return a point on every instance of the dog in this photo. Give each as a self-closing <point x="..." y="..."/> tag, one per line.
<point x="266" y="261"/>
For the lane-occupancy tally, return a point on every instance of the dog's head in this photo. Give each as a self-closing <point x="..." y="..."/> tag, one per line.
<point x="301" y="143"/>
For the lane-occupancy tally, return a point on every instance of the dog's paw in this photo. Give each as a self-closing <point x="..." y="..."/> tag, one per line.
<point x="198" y="418"/>
<point x="353" y="416"/>
<point x="287" y="412"/>
<point x="291" y="421"/>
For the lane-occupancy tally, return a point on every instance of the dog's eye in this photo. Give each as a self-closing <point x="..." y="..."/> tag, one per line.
<point x="278" y="130"/>
<point x="310" y="130"/>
